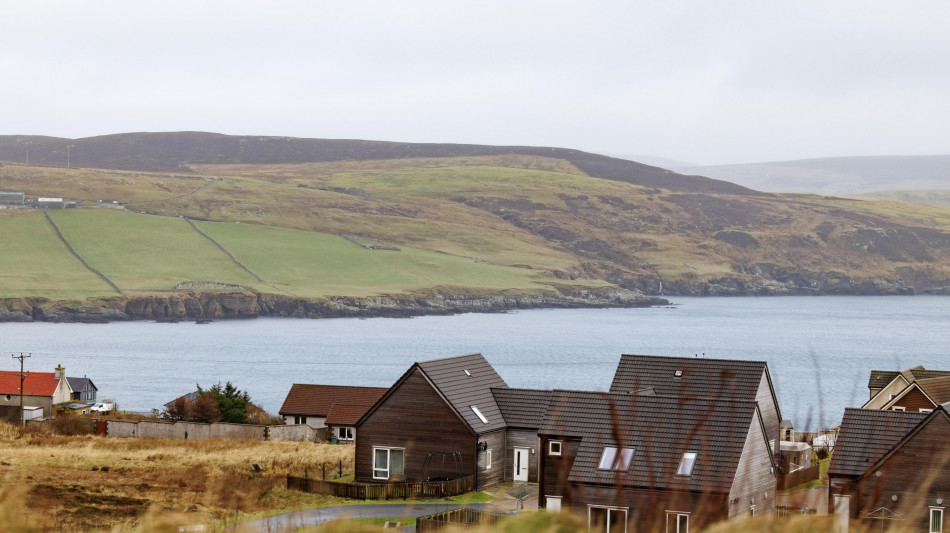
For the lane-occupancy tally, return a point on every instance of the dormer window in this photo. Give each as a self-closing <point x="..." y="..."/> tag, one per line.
<point x="686" y="464"/>
<point x="479" y="414"/>
<point x="615" y="459"/>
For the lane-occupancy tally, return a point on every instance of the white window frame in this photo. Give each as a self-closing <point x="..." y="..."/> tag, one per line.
<point x="479" y="414"/>
<point x="686" y="468"/>
<point x="676" y="515"/>
<point x="935" y="511"/>
<point x="925" y="410"/>
<point x="609" y="509"/>
<point x="898" y="408"/>
<point x="551" y="445"/>
<point x="389" y="461"/>
<point x="556" y="508"/>
<point x="300" y="420"/>
<point x="616" y="459"/>
<point x="488" y="459"/>
<point x="344" y="433"/>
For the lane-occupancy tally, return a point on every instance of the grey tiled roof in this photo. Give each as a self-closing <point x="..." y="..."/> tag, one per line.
<point x="80" y="384"/>
<point x="463" y="390"/>
<point x="866" y="435"/>
<point x="880" y="378"/>
<point x="660" y="429"/>
<point x="522" y="408"/>
<point x="701" y="377"/>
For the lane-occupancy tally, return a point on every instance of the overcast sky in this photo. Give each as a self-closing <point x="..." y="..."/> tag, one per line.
<point x="708" y="82"/>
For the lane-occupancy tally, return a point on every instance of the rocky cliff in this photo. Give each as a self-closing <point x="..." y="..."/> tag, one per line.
<point x="209" y="305"/>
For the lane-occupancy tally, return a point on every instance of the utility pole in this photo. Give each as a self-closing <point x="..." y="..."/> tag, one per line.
<point x="21" y="357"/>
<point x="68" y="146"/>
<point x="27" y="142"/>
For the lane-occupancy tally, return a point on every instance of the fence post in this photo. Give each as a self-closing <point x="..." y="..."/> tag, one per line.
<point x="341" y="469"/>
<point x="324" y="471"/>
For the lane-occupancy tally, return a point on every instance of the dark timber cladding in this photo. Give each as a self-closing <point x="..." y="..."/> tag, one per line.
<point x="438" y="413"/>
<point x="893" y="460"/>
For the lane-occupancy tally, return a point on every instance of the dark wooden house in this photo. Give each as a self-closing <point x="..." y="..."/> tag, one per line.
<point x="523" y="411"/>
<point x="699" y="377"/>
<point x="439" y="421"/>
<point x="656" y="462"/>
<point x="891" y="467"/>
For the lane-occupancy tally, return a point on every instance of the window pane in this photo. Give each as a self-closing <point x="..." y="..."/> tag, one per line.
<point x="607" y="459"/>
<point x="626" y="455"/>
<point x="397" y="464"/>
<point x="381" y="461"/>
<point x="616" y="521"/>
<point x="686" y="464"/>
<point x="682" y="523"/>
<point x="936" y="521"/>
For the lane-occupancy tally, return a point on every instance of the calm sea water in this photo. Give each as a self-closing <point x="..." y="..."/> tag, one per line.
<point x="819" y="349"/>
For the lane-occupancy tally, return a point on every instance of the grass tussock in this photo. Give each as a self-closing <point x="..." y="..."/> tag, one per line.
<point x="94" y="483"/>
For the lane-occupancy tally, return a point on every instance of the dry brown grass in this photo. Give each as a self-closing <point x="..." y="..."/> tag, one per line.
<point x="97" y="483"/>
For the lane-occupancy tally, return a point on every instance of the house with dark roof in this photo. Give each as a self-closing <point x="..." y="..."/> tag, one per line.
<point x="523" y="411"/>
<point x="83" y="389"/>
<point x="439" y="421"/>
<point x="891" y="466"/>
<point x="660" y="462"/>
<point x="699" y="377"/>
<point x="312" y="404"/>
<point x="40" y="389"/>
<point x="885" y="385"/>
<point x="922" y="395"/>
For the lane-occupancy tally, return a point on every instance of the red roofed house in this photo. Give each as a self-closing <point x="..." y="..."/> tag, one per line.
<point x="40" y="389"/>
<point x="336" y="406"/>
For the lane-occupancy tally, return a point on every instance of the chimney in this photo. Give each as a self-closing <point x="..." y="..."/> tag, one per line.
<point x="59" y="373"/>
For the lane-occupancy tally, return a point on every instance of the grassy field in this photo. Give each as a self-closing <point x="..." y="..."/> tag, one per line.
<point x="33" y="262"/>
<point x="139" y="252"/>
<point x="316" y="265"/>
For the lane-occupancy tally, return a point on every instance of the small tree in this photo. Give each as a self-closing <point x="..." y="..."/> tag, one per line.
<point x="230" y="401"/>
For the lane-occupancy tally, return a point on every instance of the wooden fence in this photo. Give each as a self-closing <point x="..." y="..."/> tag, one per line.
<point x="462" y="516"/>
<point x="384" y="491"/>
<point x="798" y="477"/>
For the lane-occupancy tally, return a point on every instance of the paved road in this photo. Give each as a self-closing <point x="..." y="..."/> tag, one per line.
<point x="318" y="515"/>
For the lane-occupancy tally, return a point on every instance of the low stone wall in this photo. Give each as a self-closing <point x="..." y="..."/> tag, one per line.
<point x="161" y="429"/>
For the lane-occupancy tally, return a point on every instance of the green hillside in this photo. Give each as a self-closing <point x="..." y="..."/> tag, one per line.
<point x="465" y="219"/>
<point x="34" y="262"/>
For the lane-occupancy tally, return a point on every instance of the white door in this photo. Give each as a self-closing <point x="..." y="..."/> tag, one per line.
<point x="521" y="464"/>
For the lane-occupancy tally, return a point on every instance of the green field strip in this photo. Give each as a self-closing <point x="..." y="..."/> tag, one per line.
<point x="317" y="265"/>
<point x="79" y="258"/>
<point x="144" y="252"/>
<point x="229" y="254"/>
<point x="34" y="262"/>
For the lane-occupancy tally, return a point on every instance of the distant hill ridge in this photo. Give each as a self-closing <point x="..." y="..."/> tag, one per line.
<point x="173" y="151"/>
<point x="836" y="175"/>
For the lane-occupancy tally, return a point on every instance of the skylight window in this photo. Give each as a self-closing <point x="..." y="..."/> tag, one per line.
<point x="614" y="459"/>
<point x="479" y="414"/>
<point x="678" y="374"/>
<point x="686" y="464"/>
<point x="467" y="373"/>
